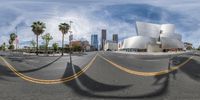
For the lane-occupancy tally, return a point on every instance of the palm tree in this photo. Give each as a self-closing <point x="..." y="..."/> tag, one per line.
<point x="64" y="28"/>
<point x="38" y="28"/>
<point x="13" y="36"/>
<point x="47" y="37"/>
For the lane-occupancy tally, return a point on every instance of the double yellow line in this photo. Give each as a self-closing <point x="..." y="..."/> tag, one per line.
<point x="140" y="73"/>
<point x="42" y="81"/>
<point x="75" y="75"/>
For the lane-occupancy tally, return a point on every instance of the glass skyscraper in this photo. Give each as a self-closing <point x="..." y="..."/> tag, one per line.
<point x="94" y="41"/>
<point x="115" y="38"/>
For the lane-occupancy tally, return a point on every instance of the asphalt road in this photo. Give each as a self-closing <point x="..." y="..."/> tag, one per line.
<point x="98" y="76"/>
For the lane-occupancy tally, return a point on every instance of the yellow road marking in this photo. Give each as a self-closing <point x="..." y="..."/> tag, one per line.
<point x="140" y="73"/>
<point x="42" y="81"/>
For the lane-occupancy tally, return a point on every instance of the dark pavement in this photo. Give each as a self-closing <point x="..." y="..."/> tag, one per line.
<point x="100" y="81"/>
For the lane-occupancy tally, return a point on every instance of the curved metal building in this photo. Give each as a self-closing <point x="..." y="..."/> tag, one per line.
<point x="153" y="38"/>
<point x="167" y="28"/>
<point x="147" y="29"/>
<point x="138" y="42"/>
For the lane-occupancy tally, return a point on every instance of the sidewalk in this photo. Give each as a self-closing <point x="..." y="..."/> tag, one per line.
<point x="9" y="53"/>
<point x="149" y="55"/>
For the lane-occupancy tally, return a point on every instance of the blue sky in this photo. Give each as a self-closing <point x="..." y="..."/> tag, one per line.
<point x="90" y="16"/>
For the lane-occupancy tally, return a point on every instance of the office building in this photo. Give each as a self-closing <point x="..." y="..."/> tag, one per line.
<point x="94" y="41"/>
<point x="103" y="38"/>
<point x="110" y="46"/>
<point x="115" y="38"/>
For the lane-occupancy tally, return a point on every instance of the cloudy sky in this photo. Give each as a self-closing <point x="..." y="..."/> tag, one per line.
<point x="90" y="16"/>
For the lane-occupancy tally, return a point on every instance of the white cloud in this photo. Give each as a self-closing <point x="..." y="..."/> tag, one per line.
<point x="85" y="22"/>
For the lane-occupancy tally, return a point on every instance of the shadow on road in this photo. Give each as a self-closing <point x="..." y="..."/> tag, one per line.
<point x="88" y="87"/>
<point x="7" y="72"/>
<point x="192" y="69"/>
<point x="4" y="71"/>
<point x="36" y="69"/>
<point x="87" y="82"/>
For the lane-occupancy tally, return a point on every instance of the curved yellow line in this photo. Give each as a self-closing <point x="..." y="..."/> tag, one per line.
<point x="55" y="81"/>
<point x="140" y="73"/>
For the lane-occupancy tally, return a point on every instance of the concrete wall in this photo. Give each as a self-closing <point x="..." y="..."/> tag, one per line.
<point x="154" y="48"/>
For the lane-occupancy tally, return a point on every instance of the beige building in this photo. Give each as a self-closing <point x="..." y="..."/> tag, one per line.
<point x="110" y="46"/>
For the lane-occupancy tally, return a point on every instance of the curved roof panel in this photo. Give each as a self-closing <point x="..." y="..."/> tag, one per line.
<point x="173" y="36"/>
<point x="148" y="29"/>
<point x="169" y="43"/>
<point x="138" y="42"/>
<point x="167" y="28"/>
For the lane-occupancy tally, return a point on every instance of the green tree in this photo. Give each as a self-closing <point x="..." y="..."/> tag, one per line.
<point x="77" y="48"/>
<point x="64" y="28"/>
<point x="47" y="37"/>
<point x="33" y="43"/>
<point x="38" y="28"/>
<point x="13" y="36"/>
<point x="55" y="47"/>
<point x="3" y="46"/>
<point x="198" y="48"/>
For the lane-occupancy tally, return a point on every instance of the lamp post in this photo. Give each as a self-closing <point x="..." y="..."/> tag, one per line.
<point x="70" y="45"/>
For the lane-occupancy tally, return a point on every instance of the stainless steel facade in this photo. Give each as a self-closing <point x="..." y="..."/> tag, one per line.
<point x="148" y="29"/>
<point x="154" y="37"/>
<point x="138" y="42"/>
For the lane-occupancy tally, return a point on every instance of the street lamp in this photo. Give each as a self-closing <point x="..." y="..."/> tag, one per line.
<point x="70" y="39"/>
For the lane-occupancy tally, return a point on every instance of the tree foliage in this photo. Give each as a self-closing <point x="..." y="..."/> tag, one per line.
<point x="64" y="28"/>
<point x="47" y="37"/>
<point x="3" y="46"/>
<point x="13" y="36"/>
<point x="38" y="28"/>
<point x="55" y="47"/>
<point x="198" y="48"/>
<point x="33" y="43"/>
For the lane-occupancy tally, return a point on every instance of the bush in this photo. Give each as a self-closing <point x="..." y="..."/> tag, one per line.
<point x="77" y="48"/>
<point x="11" y="47"/>
<point x="55" y="47"/>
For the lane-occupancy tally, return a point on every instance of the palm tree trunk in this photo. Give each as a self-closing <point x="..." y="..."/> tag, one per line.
<point x="62" y="44"/>
<point x="37" y="45"/>
<point x="46" y="48"/>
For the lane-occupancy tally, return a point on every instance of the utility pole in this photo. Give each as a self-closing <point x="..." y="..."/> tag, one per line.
<point x="70" y="45"/>
<point x="16" y="40"/>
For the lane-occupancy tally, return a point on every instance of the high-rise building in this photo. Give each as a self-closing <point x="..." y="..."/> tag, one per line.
<point x="103" y="38"/>
<point x="94" y="41"/>
<point x="115" y="38"/>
